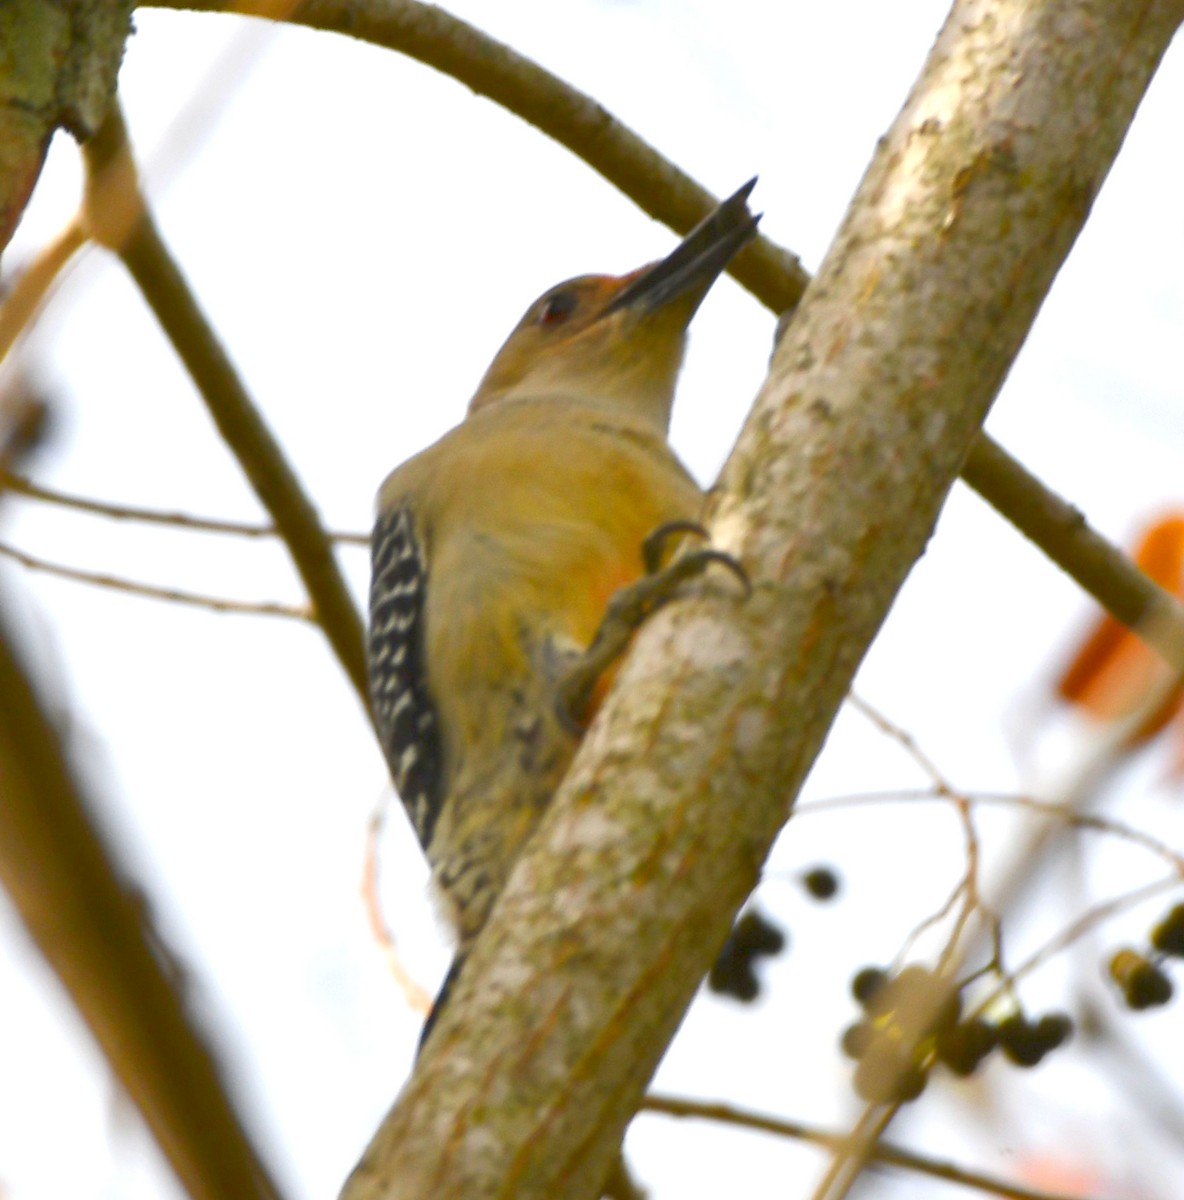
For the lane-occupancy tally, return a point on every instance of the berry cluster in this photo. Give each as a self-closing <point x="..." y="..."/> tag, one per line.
<point x="734" y="973"/>
<point x="914" y="1019"/>
<point x="1140" y="976"/>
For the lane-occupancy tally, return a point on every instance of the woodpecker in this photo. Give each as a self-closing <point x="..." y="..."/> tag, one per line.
<point x="497" y="551"/>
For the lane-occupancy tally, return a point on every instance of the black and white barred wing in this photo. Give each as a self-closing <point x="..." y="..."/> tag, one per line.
<point x="399" y="695"/>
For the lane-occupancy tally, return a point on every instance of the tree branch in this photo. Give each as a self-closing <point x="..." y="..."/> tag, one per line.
<point x="1061" y="531"/>
<point x="875" y="395"/>
<point x="117" y="217"/>
<point x="149" y="591"/>
<point x="896" y="1156"/>
<point x="91" y="926"/>
<point x="19" y="485"/>
<point x="28" y="290"/>
<point x="492" y="69"/>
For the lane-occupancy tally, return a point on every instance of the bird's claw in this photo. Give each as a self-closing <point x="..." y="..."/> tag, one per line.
<point x="654" y="548"/>
<point x="631" y="605"/>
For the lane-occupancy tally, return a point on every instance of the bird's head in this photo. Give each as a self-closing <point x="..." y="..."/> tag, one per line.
<point x="618" y="340"/>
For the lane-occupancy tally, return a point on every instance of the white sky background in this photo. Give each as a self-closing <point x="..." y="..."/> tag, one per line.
<point x="363" y="234"/>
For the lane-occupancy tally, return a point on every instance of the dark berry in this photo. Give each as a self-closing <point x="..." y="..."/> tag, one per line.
<point x="733" y="973"/>
<point x="1053" y="1030"/>
<point x="821" y="882"/>
<point x="857" y="1038"/>
<point x="868" y="983"/>
<point x="733" y="976"/>
<point x="756" y="933"/>
<point x="1019" y="1041"/>
<point x="962" y="1047"/>
<point x="1168" y="936"/>
<point x="1143" y="984"/>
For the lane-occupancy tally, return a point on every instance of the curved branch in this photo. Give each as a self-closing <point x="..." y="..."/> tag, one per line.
<point x="492" y="69"/>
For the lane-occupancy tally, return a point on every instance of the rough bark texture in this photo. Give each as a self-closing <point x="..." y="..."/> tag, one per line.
<point x="58" y="63"/>
<point x="597" y="946"/>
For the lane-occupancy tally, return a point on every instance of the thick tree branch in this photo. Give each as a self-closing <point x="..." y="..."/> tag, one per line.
<point x="772" y="274"/>
<point x="117" y="217"/>
<point x="91" y="926"/>
<point x="875" y="396"/>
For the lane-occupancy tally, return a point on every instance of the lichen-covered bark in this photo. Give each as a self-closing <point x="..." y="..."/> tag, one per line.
<point x="58" y="63"/>
<point x="594" y="952"/>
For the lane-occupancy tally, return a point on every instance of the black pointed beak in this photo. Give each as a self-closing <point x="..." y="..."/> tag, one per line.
<point x="695" y="263"/>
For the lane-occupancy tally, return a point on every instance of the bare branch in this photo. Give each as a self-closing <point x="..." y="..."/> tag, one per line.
<point x="116" y="217"/>
<point x="491" y="68"/>
<point x="19" y="485"/>
<point x="895" y="1156"/>
<point x="1083" y="923"/>
<point x="116" y="583"/>
<point x="32" y="285"/>
<point x="905" y="740"/>
<point x="1067" y="814"/>
<point x="90" y="923"/>
<point x="1062" y="532"/>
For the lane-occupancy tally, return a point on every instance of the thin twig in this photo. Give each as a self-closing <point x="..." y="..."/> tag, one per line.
<point x="1034" y="850"/>
<point x="21" y="486"/>
<point x="221" y="604"/>
<point x="883" y="1152"/>
<point x="1077" y="928"/>
<point x="415" y="995"/>
<point x="967" y="888"/>
<point x="30" y="287"/>
<point x="1052" y="809"/>
<point x="208" y="100"/>
<point x="905" y="740"/>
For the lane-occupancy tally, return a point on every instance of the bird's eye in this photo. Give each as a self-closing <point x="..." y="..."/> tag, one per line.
<point x="557" y="308"/>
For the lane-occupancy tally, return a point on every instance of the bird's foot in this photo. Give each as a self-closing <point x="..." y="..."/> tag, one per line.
<point x="631" y="605"/>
